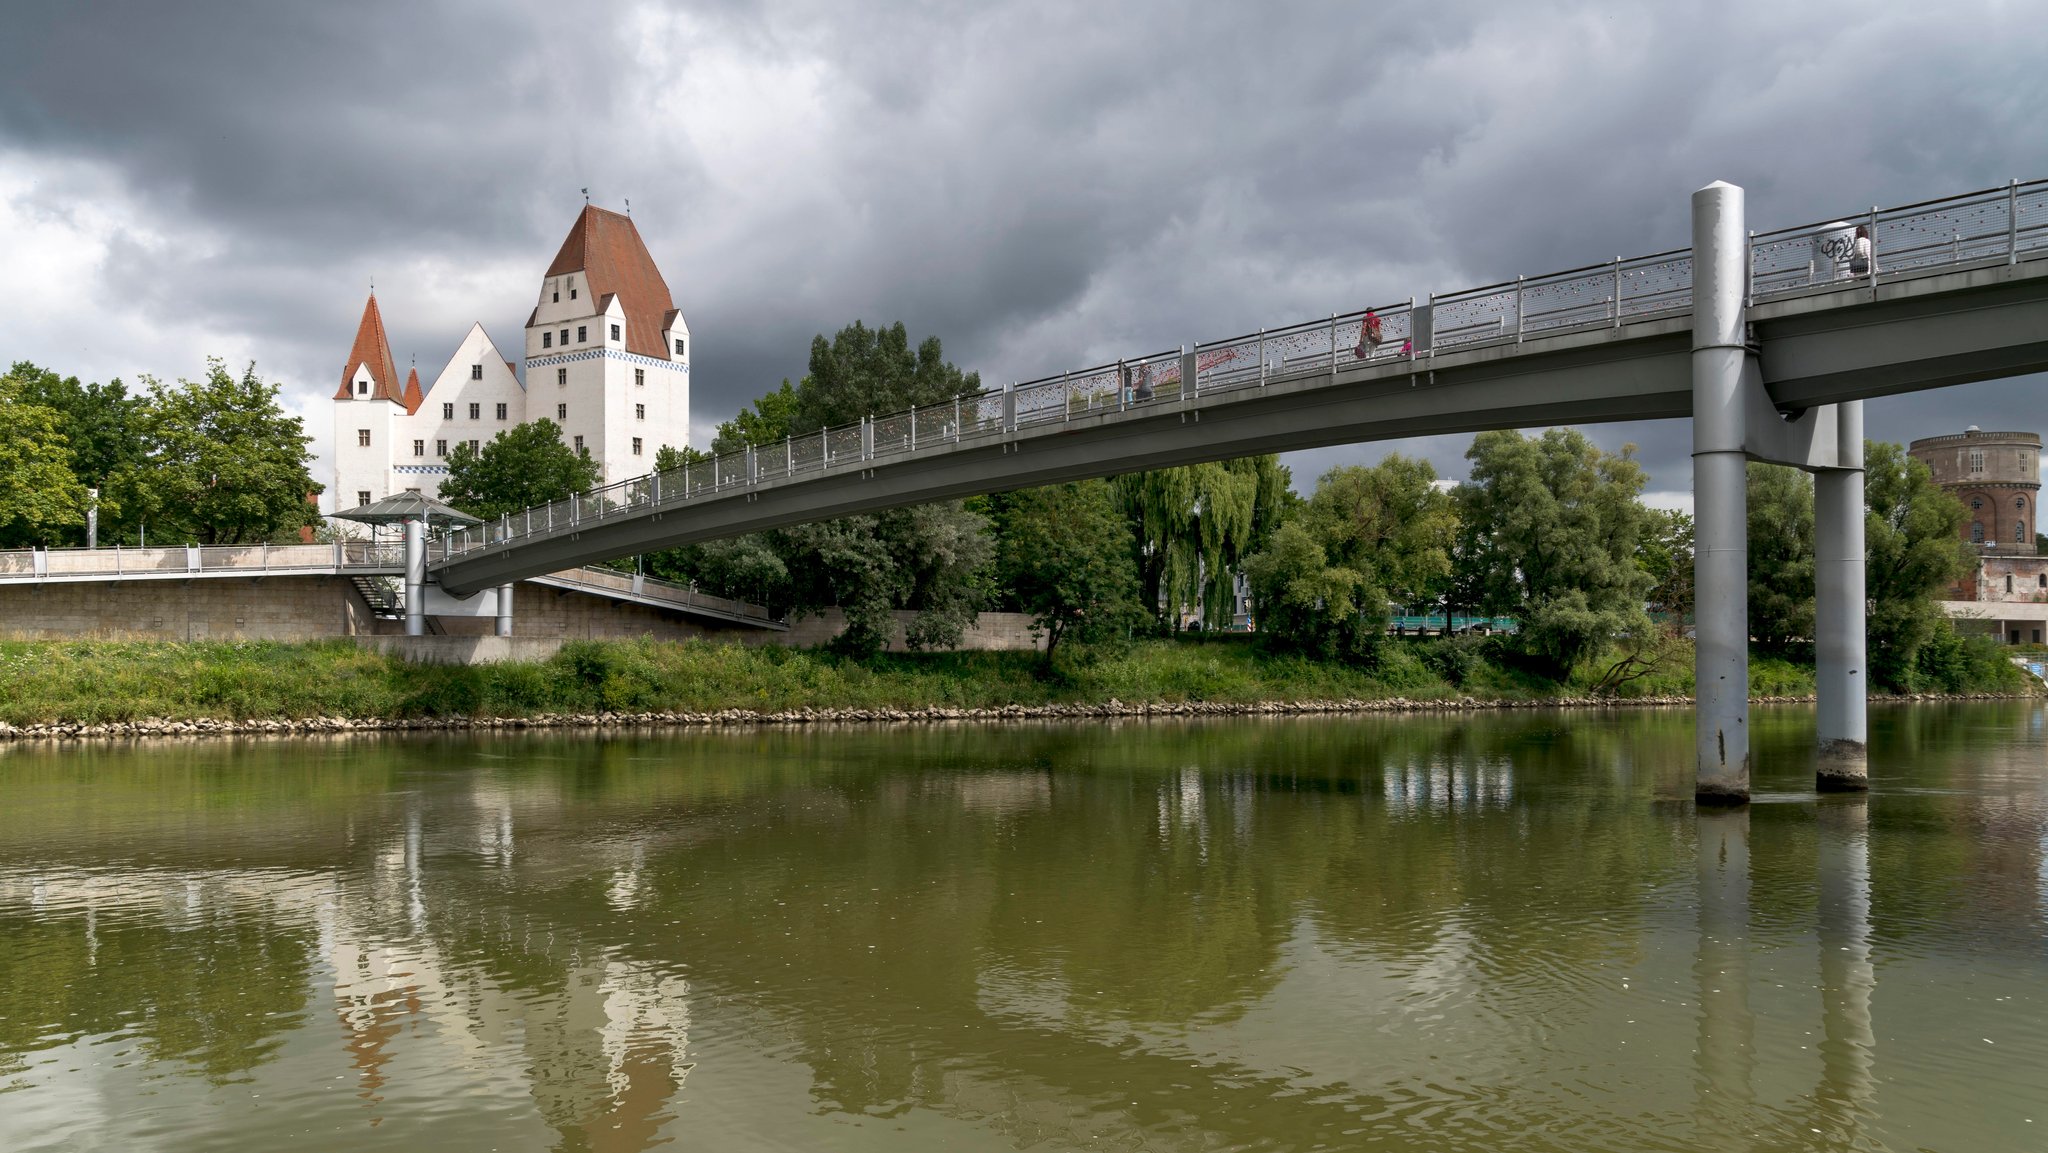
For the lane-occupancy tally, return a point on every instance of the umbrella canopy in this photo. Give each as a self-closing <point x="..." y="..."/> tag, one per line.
<point x="401" y="507"/>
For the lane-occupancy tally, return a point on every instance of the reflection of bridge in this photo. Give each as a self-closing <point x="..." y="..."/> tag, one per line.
<point x="1766" y="340"/>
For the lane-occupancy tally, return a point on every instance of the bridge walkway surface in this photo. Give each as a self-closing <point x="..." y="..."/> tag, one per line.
<point x="1957" y="292"/>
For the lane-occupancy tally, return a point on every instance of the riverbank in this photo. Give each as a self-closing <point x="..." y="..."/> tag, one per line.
<point x="117" y="688"/>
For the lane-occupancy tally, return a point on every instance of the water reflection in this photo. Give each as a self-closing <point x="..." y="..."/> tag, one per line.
<point x="1360" y="933"/>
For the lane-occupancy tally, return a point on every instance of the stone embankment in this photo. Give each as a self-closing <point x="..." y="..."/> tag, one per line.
<point x="1112" y="709"/>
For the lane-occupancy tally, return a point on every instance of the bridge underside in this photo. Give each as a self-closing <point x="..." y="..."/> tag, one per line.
<point x="1817" y="348"/>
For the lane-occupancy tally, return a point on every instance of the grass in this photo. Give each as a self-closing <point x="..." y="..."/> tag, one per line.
<point x="91" y="681"/>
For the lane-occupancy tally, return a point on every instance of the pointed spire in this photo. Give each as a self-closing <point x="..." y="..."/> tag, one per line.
<point x="371" y="348"/>
<point x="414" y="397"/>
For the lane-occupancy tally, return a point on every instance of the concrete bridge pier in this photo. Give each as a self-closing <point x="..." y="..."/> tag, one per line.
<point x="504" y="610"/>
<point x="1839" y="607"/>
<point x="1720" y="354"/>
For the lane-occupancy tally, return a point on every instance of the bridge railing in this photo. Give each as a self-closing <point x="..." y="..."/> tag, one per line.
<point x="2007" y="224"/>
<point x="253" y="558"/>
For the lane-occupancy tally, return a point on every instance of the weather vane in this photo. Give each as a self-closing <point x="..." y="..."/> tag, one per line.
<point x="586" y="196"/>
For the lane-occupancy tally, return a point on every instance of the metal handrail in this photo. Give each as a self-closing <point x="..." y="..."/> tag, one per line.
<point x="1636" y="289"/>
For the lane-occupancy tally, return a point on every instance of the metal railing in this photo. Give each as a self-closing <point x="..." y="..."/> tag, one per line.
<point x="1996" y="225"/>
<point x="43" y="564"/>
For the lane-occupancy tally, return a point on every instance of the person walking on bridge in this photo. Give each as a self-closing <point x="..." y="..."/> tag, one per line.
<point x="1369" y="336"/>
<point x="1859" y="252"/>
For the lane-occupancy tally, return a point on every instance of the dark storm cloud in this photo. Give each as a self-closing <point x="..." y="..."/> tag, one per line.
<point x="1042" y="185"/>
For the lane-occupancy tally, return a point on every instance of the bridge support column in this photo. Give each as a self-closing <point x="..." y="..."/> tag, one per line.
<point x="415" y="579"/>
<point x="1720" y="497"/>
<point x="1839" y="627"/>
<point x="504" y="610"/>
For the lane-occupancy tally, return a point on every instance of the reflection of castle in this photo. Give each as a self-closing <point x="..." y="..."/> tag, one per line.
<point x="1997" y="475"/>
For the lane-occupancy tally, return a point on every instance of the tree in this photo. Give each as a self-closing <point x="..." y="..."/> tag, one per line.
<point x="220" y="462"/>
<point x="1915" y="551"/>
<point x="1780" y="556"/>
<point x="1309" y="605"/>
<point x="39" y="494"/>
<point x="522" y="467"/>
<point x="1065" y="558"/>
<point x="1192" y="527"/>
<point x="1667" y="555"/>
<point x="864" y="372"/>
<point x="925" y="558"/>
<point x="1552" y="526"/>
<point x="771" y="418"/>
<point x="1390" y="522"/>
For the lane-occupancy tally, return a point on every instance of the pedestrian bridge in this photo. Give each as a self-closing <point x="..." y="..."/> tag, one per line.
<point x="1958" y="292"/>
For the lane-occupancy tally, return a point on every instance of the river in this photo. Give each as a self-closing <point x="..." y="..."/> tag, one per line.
<point x="1503" y="932"/>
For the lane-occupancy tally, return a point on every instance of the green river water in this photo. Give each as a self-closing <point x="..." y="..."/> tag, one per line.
<point x="1504" y="932"/>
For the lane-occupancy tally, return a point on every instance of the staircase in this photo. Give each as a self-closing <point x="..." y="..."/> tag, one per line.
<point x="381" y="594"/>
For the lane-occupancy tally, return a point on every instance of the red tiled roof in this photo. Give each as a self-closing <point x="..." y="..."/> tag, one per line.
<point x="606" y="248"/>
<point x="373" y="348"/>
<point x="413" y="396"/>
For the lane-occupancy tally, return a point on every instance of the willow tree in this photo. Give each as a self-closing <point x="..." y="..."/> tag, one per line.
<point x="1192" y="527"/>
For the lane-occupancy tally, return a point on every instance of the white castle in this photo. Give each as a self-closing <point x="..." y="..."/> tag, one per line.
<point x="607" y="359"/>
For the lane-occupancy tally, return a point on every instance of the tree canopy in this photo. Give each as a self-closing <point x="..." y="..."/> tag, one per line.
<point x="217" y="461"/>
<point x="521" y="467"/>
<point x="1065" y="558"/>
<point x="39" y="493"/>
<point x="1913" y="537"/>
<point x="1781" y="564"/>
<point x="1551" y="526"/>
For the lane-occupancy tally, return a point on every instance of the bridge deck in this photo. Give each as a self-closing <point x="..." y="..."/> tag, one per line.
<point x="1959" y="293"/>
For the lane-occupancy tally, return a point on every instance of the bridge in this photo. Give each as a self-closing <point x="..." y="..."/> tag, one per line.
<point x="1769" y="341"/>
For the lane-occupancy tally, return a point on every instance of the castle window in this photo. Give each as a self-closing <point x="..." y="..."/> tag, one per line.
<point x="565" y="338"/>
<point x="636" y="446"/>
<point x="362" y="388"/>
<point x="615" y="332"/>
<point x="2041" y="581"/>
<point x="2019" y="533"/>
<point x="1976" y="504"/>
<point x="362" y="497"/>
<point x="562" y="377"/>
<point x="682" y="346"/>
<point x="475" y="446"/>
<point x="362" y="438"/>
<point x="547" y="340"/>
<point x="419" y="448"/>
<point x="558" y="297"/>
<point x="582" y="334"/>
<point x="447" y="412"/>
<point x="476" y="372"/>
<point x="579" y="443"/>
<point x="1976" y="460"/>
<point x="2008" y="584"/>
<point x="1976" y="532"/>
<point x="639" y="376"/>
<point x="561" y="412"/>
<point x="501" y="412"/>
<point x="441" y="448"/>
<point x="476" y="411"/>
<point x="639" y="412"/>
<point x="572" y="294"/>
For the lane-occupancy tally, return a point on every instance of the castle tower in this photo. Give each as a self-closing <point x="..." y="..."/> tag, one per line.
<point x="607" y="351"/>
<point x="366" y="406"/>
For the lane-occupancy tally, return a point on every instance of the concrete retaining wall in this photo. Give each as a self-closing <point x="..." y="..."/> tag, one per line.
<point x="300" y="608"/>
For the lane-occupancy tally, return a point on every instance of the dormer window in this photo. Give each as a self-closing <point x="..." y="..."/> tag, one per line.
<point x="476" y="372"/>
<point x="615" y="332"/>
<point x="547" y="340"/>
<point x="682" y="346"/>
<point x="362" y="388"/>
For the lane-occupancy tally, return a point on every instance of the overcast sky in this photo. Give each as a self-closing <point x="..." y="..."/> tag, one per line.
<point x="1042" y="185"/>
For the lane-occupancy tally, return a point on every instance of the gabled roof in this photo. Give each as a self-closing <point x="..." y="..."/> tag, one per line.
<point x="373" y="348"/>
<point x="606" y="248"/>
<point x="413" y="396"/>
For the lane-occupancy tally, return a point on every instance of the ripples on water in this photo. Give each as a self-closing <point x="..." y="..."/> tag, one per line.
<point x="1394" y="933"/>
